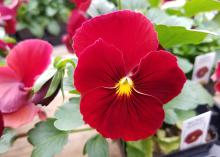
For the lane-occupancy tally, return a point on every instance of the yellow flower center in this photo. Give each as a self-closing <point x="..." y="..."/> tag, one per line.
<point x="124" y="86"/>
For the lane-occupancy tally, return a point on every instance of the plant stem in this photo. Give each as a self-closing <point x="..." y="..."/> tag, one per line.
<point x="119" y="4"/>
<point x="121" y="148"/>
<point x="81" y="130"/>
<point x="22" y="135"/>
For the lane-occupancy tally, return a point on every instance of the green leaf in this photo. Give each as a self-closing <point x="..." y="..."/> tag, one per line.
<point x="171" y="116"/>
<point x="55" y="83"/>
<point x="51" y="11"/>
<point x="53" y="28"/>
<point x="170" y="36"/>
<point x="36" y="29"/>
<point x="46" y="139"/>
<point x="142" y="148"/>
<point x="167" y="144"/>
<point x="96" y="146"/>
<point x="192" y="95"/>
<point x="48" y="74"/>
<point x="135" y="4"/>
<point x="68" y="115"/>
<point x="160" y="17"/>
<point x="184" y="115"/>
<point x="193" y="7"/>
<point x="184" y="64"/>
<point x="6" y="140"/>
<point x="154" y="3"/>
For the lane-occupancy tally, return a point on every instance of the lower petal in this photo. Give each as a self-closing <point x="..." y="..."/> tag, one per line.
<point x="12" y="95"/>
<point x="21" y="117"/>
<point x="129" y="118"/>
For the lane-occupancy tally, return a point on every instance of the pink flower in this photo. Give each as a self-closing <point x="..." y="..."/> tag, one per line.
<point x="25" y="63"/>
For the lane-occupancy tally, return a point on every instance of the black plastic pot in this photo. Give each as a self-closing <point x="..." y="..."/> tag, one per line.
<point x="197" y="151"/>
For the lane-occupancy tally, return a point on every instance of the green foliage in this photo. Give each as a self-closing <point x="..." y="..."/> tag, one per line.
<point x="194" y="7"/>
<point x="55" y="83"/>
<point x="192" y="95"/>
<point x="96" y="146"/>
<point x="184" y="64"/>
<point x="142" y="148"/>
<point x="6" y="140"/>
<point x="170" y="36"/>
<point x="160" y="17"/>
<point x="68" y="116"/>
<point x="39" y="15"/>
<point x="167" y="144"/>
<point x="46" y="139"/>
<point x="134" y="4"/>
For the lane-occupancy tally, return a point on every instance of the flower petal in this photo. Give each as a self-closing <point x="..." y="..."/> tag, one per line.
<point x="82" y="4"/>
<point x="130" y="32"/>
<point x="23" y="116"/>
<point x="129" y="118"/>
<point x="158" y="75"/>
<point x="12" y="95"/>
<point x="99" y="65"/>
<point x="29" y="59"/>
<point x="76" y="19"/>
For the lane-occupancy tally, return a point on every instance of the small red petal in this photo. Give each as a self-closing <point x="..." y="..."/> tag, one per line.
<point x="99" y="65"/>
<point x="29" y="59"/>
<point x="12" y="95"/>
<point x="158" y="75"/>
<point x="130" y="32"/>
<point x="21" y="117"/>
<point x="129" y="118"/>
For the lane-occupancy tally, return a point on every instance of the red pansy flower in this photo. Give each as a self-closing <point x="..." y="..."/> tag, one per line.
<point x="123" y="80"/>
<point x="216" y="77"/>
<point x="25" y="63"/>
<point x="82" y="4"/>
<point x="76" y="19"/>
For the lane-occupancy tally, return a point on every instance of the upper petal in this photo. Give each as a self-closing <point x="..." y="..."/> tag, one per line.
<point x="12" y="95"/>
<point x="129" y="118"/>
<point x="99" y="65"/>
<point x="159" y="76"/>
<point x="130" y="32"/>
<point x="29" y="59"/>
<point x="21" y="117"/>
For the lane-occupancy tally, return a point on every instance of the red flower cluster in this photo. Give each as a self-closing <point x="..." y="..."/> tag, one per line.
<point x="216" y="77"/>
<point x="76" y="19"/>
<point x="25" y="63"/>
<point x="123" y="80"/>
<point x="8" y="15"/>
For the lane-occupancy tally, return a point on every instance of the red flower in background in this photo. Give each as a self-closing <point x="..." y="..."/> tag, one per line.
<point x="25" y="63"/>
<point x="8" y="15"/>
<point x="82" y="4"/>
<point x="76" y="19"/>
<point x="216" y="77"/>
<point x="124" y="81"/>
<point x="4" y="46"/>
<point x="8" y="19"/>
